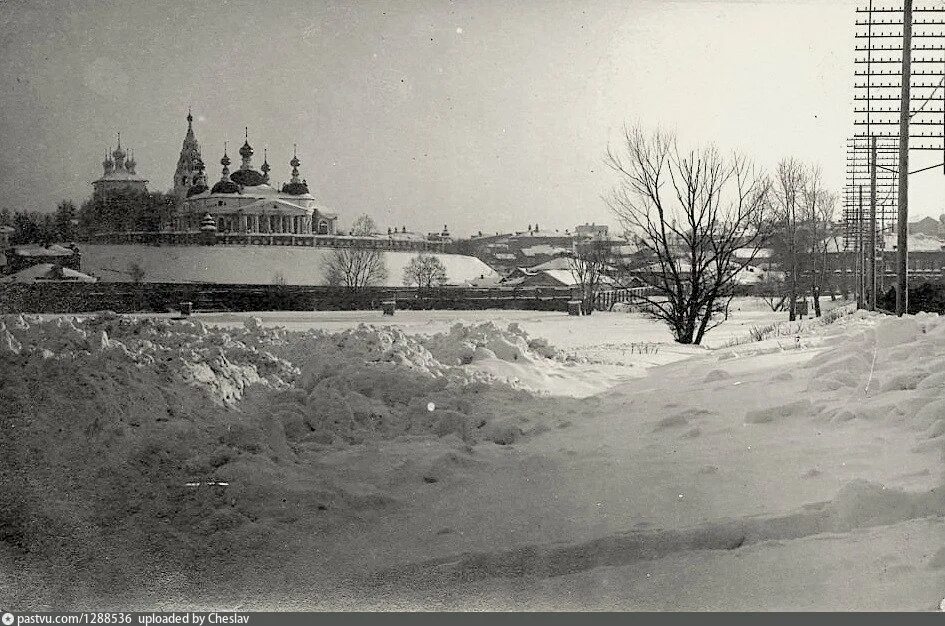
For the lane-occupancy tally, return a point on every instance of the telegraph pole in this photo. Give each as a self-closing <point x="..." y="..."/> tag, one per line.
<point x="902" y="224"/>
<point x="860" y="276"/>
<point x="872" y="272"/>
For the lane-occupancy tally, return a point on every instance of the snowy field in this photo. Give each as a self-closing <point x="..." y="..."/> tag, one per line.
<point x="613" y="346"/>
<point x="436" y="465"/>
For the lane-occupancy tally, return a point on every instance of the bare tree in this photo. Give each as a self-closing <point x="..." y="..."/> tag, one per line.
<point x="773" y="291"/>
<point x="425" y="271"/>
<point x="353" y="267"/>
<point x="689" y="212"/>
<point x="819" y="208"/>
<point x="787" y="200"/>
<point x="589" y="263"/>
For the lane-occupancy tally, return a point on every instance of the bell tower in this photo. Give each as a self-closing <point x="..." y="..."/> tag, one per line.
<point x="188" y="164"/>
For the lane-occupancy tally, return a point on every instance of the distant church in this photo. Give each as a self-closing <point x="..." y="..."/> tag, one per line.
<point x="119" y="175"/>
<point x="244" y="201"/>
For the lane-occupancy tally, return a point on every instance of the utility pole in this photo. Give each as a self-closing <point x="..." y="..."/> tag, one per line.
<point x="902" y="223"/>
<point x="872" y="272"/>
<point x="859" y="250"/>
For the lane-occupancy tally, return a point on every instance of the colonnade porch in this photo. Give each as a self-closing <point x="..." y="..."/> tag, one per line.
<point x="262" y="223"/>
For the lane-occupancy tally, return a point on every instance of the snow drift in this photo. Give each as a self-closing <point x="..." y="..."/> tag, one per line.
<point x="171" y="441"/>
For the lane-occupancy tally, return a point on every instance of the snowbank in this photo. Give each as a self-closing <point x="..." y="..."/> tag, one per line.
<point x="168" y="439"/>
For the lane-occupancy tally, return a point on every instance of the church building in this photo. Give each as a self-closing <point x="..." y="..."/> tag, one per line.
<point x="244" y="201"/>
<point x="119" y="175"/>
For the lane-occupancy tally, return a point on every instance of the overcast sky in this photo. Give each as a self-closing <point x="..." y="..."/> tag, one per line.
<point x="483" y="115"/>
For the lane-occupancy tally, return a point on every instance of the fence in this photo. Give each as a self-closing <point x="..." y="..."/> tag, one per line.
<point x="163" y="297"/>
<point x="605" y="300"/>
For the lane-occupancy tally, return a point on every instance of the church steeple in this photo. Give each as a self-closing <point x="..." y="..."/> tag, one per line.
<point x="187" y="169"/>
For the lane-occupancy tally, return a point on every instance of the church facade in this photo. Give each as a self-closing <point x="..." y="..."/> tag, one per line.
<point x="244" y="201"/>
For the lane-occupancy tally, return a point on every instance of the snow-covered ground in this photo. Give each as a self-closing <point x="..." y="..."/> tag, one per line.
<point x="798" y="472"/>
<point x="258" y="265"/>
<point x="612" y="346"/>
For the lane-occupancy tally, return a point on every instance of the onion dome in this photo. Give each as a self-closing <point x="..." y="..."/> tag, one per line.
<point x="208" y="224"/>
<point x="108" y="165"/>
<point x="225" y="185"/>
<point x="131" y="163"/>
<point x="246" y="151"/>
<point x="119" y="155"/>
<point x="246" y="176"/>
<point x="295" y="187"/>
<point x="265" y="166"/>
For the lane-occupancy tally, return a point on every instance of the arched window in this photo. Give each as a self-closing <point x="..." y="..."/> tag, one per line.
<point x="322" y="227"/>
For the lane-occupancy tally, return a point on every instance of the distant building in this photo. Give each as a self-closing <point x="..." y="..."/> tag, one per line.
<point x="928" y="226"/>
<point x="443" y="235"/>
<point x="592" y="231"/>
<point x="22" y="257"/>
<point x="119" y="175"/>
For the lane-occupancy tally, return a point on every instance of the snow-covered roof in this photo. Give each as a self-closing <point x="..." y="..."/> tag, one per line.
<point x="543" y="249"/>
<point x="48" y="272"/>
<point x="746" y="253"/>
<point x="565" y="277"/>
<point x="557" y="263"/>
<point x="411" y="236"/>
<point x="40" y="251"/>
<point x="539" y="233"/>
<point x="484" y="280"/>
<point x="918" y="242"/>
